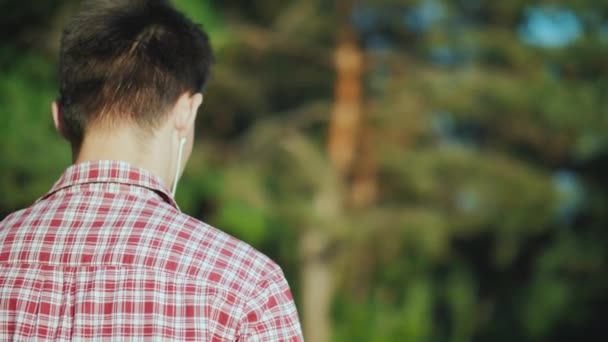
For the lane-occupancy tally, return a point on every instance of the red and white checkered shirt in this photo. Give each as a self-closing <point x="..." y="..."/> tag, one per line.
<point x="107" y="255"/>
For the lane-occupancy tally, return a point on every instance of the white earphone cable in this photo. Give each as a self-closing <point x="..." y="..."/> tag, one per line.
<point x="182" y="143"/>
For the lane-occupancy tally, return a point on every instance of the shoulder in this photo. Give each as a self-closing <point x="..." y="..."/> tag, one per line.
<point x="14" y="219"/>
<point x="218" y="257"/>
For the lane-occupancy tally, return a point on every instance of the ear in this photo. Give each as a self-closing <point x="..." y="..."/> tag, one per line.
<point x="58" y="119"/>
<point x="185" y="112"/>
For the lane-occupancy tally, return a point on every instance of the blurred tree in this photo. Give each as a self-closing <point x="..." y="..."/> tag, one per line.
<point x="470" y="146"/>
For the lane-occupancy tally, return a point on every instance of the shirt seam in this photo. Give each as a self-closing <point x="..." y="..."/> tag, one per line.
<point x="133" y="266"/>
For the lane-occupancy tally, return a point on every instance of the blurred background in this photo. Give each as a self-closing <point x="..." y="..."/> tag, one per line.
<point x="423" y="170"/>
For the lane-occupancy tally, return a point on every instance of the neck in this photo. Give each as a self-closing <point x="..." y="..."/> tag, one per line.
<point x="123" y="144"/>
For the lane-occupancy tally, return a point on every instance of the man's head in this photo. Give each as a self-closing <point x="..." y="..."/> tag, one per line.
<point x="136" y="64"/>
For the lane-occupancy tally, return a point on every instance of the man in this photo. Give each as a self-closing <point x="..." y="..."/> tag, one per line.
<point x="106" y="254"/>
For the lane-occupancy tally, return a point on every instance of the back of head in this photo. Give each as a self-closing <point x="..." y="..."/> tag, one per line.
<point x="128" y="61"/>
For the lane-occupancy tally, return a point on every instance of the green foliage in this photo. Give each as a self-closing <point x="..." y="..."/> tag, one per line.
<point x="240" y="219"/>
<point x="203" y="13"/>
<point x="32" y="155"/>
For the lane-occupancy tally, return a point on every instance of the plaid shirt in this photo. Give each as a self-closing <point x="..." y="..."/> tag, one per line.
<point x="107" y="255"/>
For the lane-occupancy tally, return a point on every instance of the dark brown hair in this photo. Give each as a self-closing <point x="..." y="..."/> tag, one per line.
<point x="128" y="60"/>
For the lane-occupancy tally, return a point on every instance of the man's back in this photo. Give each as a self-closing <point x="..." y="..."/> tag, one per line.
<point x="107" y="254"/>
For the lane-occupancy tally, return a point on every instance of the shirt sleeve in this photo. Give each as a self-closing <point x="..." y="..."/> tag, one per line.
<point x="270" y="314"/>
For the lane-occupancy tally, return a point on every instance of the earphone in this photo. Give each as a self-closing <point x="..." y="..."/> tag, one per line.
<point x="182" y="144"/>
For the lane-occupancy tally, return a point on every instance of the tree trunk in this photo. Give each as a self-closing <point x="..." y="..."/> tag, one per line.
<point x="318" y="271"/>
<point x="346" y="115"/>
<point x="317" y="286"/>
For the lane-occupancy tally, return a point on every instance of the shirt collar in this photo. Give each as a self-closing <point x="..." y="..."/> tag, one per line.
<point x="111" y="171"/>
